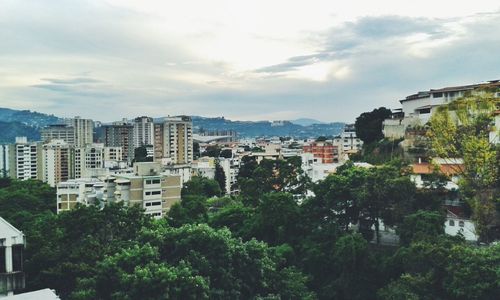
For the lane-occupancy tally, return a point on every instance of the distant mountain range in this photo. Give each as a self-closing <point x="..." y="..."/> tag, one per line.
<point x="306" y="122"/>
<point x="28" y="123"/>
<point x="23" y="123"/>
<point x="267" y="128"/>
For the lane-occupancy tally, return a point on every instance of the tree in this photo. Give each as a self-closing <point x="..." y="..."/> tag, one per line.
<point x="276" y="220"/>
<point x="201" y="186"/>
<point x="191" y="210"/>
<point x="461" y="129"/>
<point x="272" y="176"/>
<point x="220" y="177"/>
<point x="138" y="273"/>
<point x="226" y="153"/>
<point x="421" y="225"/>
<point x="67" y="246"/>
<point x="141" y="155"/>
<point x="196" y="150"/>
<point x="369" y="124"/>
<point x="211" y="151"/>
<point x="234" y="269"/>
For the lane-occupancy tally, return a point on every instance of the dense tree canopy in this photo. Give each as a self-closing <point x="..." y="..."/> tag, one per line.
<point x="461" y="129"/>
<point x="280" y="245"/>
<point x="369" y="124"/>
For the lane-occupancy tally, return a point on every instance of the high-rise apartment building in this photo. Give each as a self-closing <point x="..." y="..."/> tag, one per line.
<point x="58" y="162"/>
<point x="59" y="132"/>
<point x="88" y="158"/>
<point x="120" y="134"/>
<point x="174" y="140"/>
<point x="25" y="159"/>
<point x="84" y="130"/>
<point x="143" y="131"/>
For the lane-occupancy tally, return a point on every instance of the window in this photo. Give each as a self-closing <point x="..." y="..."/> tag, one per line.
<point x="461" y="223"/>
<point x="3" y="267"/>
<point x="452" y="223"/>
<point x="17" y="257"/>
<point x="437" y="95"/>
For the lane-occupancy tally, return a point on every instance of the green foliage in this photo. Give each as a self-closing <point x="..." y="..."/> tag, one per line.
<point x="279" y="175"/>
<point x="273" y="247"/>
<point x="226" y="153"/>
<point x="276" y="220"/>
<point x="141" y="155"/>
<point x="421" y="225"/>
<point x="444" y="268"/>
<point x="65" y="247"/>
<point x="369" y="124"/>
<point x="21" y="202"/>
<point x="461" y="130"/>
<point x="220" y="177"/>
<point x="191" y="210"/>
<point x="379" y="152"/>
<point x="200" y="186"/>
<point x="211" y="151"/>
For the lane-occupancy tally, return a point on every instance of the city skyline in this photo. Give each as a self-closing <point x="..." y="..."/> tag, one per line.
<point x="247" y="61"/>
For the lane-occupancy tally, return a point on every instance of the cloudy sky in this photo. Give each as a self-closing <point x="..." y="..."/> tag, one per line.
<point x="247" y="60"/>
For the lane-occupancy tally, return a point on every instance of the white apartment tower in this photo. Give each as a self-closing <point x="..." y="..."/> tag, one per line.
<point x="84" y="130"/>
<point x="88" y="158"/>
<point x="143" y="131"/>
<point x="58" y="162"/>
<point x="25" y="159"/>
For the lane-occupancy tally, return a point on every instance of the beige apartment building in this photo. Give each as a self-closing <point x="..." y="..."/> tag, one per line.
<point x="173" y="140"/>
<point x="84" y="130"/>
<point x="146" y="187"/>
<point x="58" y="162"/>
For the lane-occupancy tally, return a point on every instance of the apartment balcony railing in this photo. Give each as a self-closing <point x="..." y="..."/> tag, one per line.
<point x="11" y="282"/>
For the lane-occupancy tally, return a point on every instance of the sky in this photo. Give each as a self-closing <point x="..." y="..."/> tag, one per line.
<point x="244" y="60"/>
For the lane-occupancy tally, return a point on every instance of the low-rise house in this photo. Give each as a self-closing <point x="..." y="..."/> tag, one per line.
<point x="12" y="243"/>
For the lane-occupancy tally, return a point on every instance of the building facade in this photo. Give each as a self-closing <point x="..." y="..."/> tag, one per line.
<point x="25" y="159"/>
<point x="326" y="151"/>
<point x="418" y="108"/>
<point x="143" y="131"/>
<point x="347" y="142"/>
<point x="120" y="135"/>
<point x="147" y="187"/>
<point x="58" y="162"/>
<point x="84" y="130"/>
<point x="12" y="243"/>
<point x="58" y="132"/>
<point x="87" y="158"/>
<point x="174" y="140"/>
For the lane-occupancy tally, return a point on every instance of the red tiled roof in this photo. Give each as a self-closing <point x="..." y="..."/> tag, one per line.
<point x="447" y="169"/>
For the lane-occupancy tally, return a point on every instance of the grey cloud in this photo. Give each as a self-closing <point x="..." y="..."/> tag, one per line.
<point x="71" y="81"/>
<point x="131" y="70"/>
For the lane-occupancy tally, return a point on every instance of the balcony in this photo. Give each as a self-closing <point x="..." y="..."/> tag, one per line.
<point x="11" y="282"/>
